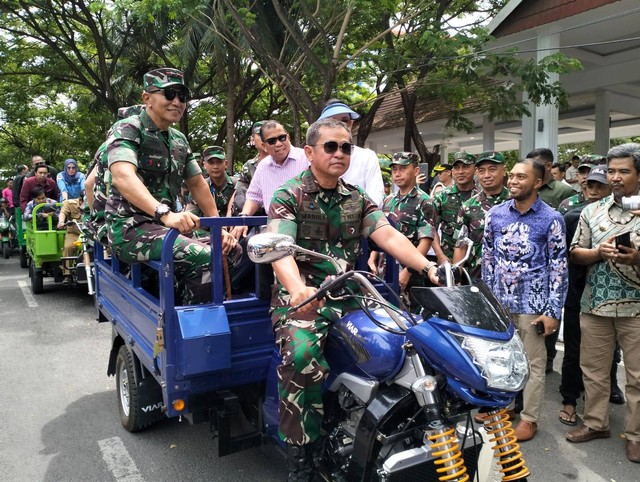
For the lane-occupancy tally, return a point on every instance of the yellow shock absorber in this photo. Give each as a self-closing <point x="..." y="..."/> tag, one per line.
<point x="506" y="448"/>
<point x="449" y="461"/>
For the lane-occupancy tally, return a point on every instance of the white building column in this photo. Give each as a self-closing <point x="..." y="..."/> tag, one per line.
<point x="488" y="134"/>
<point x="603" y="113"/>
<point x="527" y="141"/>
<point x="444" y="152"/>
<point x="546" y="120"/>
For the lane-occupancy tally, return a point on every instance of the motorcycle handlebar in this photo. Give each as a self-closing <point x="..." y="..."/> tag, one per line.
<point x="327" y="285"/>
<point x="367" y="288"/>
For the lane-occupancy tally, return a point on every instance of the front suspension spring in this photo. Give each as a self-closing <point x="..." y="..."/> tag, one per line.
<point x="446" y="448"/>
<point x="506" y="448"/>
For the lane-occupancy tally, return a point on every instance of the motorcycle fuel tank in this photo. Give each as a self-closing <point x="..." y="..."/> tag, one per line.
<point x="356" y="345"/>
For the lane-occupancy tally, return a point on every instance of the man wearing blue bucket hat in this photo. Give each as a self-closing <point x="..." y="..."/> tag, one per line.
<point x="364" y="170"/>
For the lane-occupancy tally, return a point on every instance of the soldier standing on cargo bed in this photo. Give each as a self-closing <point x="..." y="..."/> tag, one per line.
<point x="411" y="213"/>
<point x="148" y="161"/>
<point x="490" y="170"/>
<point x="324" y="214"/>
<point x="448" y="202"/>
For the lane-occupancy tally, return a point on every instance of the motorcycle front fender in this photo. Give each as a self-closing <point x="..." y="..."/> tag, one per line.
<point x="389" y="402"/>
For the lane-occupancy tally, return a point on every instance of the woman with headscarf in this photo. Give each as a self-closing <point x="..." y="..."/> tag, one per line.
<point x="70" y="181"/>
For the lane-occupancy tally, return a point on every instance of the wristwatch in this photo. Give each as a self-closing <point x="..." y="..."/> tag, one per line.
<point x="425" y="271"/>
<point x="161" y="210"/>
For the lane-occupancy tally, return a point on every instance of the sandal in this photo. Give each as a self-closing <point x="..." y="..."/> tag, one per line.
<point x="568" y="418"/>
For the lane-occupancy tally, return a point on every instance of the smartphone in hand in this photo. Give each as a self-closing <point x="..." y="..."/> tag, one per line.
<point x="540" y="328"/>
<point x="623" y="239"/>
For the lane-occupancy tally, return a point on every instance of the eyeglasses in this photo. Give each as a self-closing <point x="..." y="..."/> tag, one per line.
<point x="330" y="147"/>
<point x="171" y="94"/>
<point x="272" y="140"/>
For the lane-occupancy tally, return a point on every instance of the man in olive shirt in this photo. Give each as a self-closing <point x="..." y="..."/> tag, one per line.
<point x="552" y="192"/>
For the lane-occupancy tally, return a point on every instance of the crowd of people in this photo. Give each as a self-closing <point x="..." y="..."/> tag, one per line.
<point x="43" y="184"/>
<point x="544" y="241"/>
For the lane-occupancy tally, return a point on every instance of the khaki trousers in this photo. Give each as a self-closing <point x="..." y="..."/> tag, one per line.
<point x="69" y="250"/>
<point x="533" y="394"/>
<point x="599" y="335"/>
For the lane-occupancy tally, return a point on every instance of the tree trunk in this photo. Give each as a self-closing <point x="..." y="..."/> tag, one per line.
<point x="232" y="81"/>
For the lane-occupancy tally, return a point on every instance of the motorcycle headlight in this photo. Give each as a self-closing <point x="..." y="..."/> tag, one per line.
<point x="503" y="364"/>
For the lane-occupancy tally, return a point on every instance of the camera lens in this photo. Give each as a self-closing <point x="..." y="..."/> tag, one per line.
<point x="631" y="202"/>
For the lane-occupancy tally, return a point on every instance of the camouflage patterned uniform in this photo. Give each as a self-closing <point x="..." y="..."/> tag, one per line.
<point x="96" y="225"/>
<point x="446" y="205"/>
<point x="411" y="214"/>
<point x="573" y="202"/>
<point x="328" y="222"/>
<point x="472" y="214"/>
<point x="222" y="196"/>
<point x="163" y="159"/>
<point x="244" y="179"/>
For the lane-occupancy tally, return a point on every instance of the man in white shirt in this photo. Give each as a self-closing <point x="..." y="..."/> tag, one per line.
<point x="571" y="174"/>
<point x="364" y="170"/>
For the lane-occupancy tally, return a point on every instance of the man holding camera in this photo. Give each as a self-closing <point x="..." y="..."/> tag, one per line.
<point x="607" y="240"/>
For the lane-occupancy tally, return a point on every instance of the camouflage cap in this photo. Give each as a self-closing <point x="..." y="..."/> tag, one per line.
<point x="213" y="151"/>
<point x="592" y="160"/>
<point x="124" y="112"/>
<point x="404" y="158"/>
<point x="492" y="156"/>
<point x="255" y="129"/>
<point x="162" y="78"/>
<point x="465" y="157"/>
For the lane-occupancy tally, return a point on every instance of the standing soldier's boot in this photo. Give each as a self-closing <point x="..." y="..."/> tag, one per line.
<point x="299" y="463"/>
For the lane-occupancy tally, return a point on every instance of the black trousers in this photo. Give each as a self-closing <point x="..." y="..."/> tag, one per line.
<point x="571" y="384"/>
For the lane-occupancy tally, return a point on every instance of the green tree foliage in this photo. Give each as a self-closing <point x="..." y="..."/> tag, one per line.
<point x="70" y="64"/>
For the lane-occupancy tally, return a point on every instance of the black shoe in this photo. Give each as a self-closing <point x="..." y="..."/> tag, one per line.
<point x="549" y="368"/>
<point x="616" y="397"/>
<point x="299" y="463"/>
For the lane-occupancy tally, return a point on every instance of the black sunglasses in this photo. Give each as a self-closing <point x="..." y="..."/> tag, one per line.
<point x="330" y="147"/>
<point x="272" y="140"/>
<point x="171" y="94"/>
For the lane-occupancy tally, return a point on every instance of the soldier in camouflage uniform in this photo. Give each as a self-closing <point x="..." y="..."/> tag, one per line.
<point x="324" y="214"/>
<point x="220" y="183"/>
<point x="447" y="202"/>
<point x="410" y="212"/>
<point x="148" y="161"/>
<point x="98" y="185"/>
<point x="587" y="163"/>
<point x="490" y="170"/>
<point x="248" y="170"/>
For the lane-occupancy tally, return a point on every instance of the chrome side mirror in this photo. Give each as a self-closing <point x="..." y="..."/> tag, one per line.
<point x="269" y="247"/>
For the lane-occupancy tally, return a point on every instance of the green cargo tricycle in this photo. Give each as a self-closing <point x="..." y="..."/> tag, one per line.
<point x="44" y="245"/>
<point x="21" y="237"/>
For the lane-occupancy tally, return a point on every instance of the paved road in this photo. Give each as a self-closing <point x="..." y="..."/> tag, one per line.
<point x="61" y="421"/>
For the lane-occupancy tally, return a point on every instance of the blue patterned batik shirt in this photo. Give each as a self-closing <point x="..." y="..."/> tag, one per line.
<point x="524" y="258"/>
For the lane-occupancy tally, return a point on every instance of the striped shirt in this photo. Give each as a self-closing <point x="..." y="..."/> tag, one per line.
<point x="270" y="175"/>
<point x="612" y="289"/>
